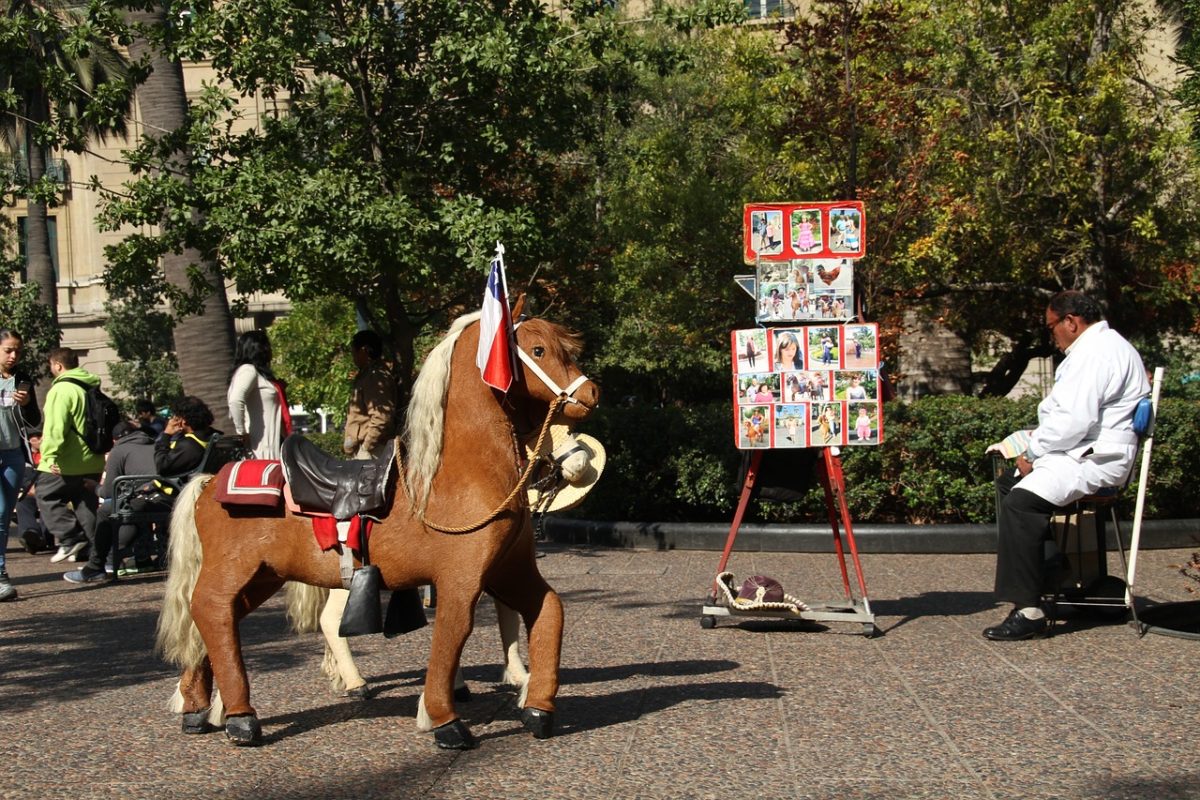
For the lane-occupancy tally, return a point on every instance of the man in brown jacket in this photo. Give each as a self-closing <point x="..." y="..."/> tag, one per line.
<point x="371" y="417"/>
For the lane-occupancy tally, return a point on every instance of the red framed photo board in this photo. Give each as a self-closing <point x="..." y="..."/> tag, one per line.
<point x="806" y="386"/>
<point x="787" y="231"/>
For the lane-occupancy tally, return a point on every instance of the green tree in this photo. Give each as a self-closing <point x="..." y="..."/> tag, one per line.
<point x="203" y="324"/>
<point x="146" y="367"/>
<point x="409" y="139"/>
<point x="312" y="355"/>
<point x="1055" y="164"/>
<point x="62" y="82"/>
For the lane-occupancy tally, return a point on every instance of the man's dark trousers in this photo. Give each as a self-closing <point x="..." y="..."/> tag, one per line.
<point x="56" y="495"/>
<point x="1020" y="552"/>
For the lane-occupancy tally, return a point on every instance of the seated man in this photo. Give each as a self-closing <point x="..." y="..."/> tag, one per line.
<point x="132" y="454"/>
<point x="177" y="452"/>
<point x="1084" y="442"/>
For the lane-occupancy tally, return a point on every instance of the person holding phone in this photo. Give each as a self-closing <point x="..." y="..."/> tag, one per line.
<point x="18" y="412"/>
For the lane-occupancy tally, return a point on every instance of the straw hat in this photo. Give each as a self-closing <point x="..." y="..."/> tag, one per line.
<point x="577" y="462"/>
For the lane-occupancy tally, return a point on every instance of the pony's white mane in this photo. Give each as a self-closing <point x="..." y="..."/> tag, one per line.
<point x="423" y="429"/>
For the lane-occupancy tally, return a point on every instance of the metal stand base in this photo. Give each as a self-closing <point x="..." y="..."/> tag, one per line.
<point x="854" y="612"/>
<point x="829" y="472"/>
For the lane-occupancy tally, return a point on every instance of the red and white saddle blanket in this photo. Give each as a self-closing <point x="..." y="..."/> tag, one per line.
<point x="259" y="482"/>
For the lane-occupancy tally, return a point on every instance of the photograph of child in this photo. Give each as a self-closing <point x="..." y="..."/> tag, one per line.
<point x="845" y="229"/>
<point x="833" y="274"/>
<point x="864" y="423"/>
<point x="787" y="352"/>
<point x="814" y="385"/>
<point x="755" y="427"/>
<point x="791" y="425"/>
<point x="824" y="348"/>
<point x="862" y="385"/>
<point x="766" y="232"/>
<point x="806" y="230"/>
<point x="750" y="351"/>
<point x="772" y="301"/>
<point x="862" y="346"/>
<point x="826" y="425"/>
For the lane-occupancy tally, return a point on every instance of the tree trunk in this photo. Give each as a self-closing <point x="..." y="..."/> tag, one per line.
<point x="203" y="342"/>
<point x="933" y="359"/>
<point x="39" y="267"/>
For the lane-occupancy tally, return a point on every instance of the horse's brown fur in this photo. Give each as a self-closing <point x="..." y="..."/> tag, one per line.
<point x="247" y="558"/>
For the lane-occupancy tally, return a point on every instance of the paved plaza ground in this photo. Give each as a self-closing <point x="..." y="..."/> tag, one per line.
<point x="651" y="706"/>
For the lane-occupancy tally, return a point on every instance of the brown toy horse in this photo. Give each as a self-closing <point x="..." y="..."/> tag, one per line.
<point x="457" y="521"/>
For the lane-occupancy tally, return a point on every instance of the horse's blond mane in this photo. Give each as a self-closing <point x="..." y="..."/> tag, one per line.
<point x="423" y="428"/>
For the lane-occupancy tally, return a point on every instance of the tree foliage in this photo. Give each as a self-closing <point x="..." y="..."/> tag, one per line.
<point x="146" y="367"/>
<point x="63" y="81"/>
<point x="312" y="354"/>
<point x="409" y="139"/>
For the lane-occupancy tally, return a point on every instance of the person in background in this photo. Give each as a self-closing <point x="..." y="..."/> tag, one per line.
<point x="371" y="417"/>
<point x="18" y="410"/>
<point x="257" y="402"/>
<point x="147" y="416"/>
<point x="69" y="470"/>
<point x="132" y="454"/>
<point x="178" y="451"/>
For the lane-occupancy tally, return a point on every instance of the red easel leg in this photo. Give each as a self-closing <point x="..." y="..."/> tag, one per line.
<point x="829" y="480"/>
<point x="839" y="480"/>
<point x="744" y="501"/>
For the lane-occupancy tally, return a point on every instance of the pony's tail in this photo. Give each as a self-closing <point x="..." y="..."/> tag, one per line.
<point x="304" y="604"/>
<point x="178" y="639"/>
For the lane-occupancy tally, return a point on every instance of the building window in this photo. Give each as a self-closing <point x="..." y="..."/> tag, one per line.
<point x="768" y="9"/>
<point x="22" y="240"/>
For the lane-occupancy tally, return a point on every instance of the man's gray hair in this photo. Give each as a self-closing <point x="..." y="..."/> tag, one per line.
<point x="1076" y="303"/>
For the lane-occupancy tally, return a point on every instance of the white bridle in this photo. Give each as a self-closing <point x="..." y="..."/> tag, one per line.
<point x="568" y="392"/>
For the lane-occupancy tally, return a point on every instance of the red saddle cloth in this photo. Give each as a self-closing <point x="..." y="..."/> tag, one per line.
<point x="255" y="482"/>
<point x="259" y="482"/>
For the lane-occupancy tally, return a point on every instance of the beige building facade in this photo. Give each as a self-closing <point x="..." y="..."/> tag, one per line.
<point x="78" y="245"/>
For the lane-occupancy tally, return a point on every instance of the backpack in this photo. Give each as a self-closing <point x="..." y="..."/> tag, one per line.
<point x="100" y="416"/>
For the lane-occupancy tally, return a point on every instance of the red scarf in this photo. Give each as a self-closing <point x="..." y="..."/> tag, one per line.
<point x="284" y="413"/>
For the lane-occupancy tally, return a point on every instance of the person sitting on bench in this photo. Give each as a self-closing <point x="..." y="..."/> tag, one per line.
<point x="1084" y="442"/>
<point x="177" y="452"/>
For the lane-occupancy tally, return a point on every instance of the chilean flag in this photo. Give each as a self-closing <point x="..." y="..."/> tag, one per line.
<point x="494" y="358"/>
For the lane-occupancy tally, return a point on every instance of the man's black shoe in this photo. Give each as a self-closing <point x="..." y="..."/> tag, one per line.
<point x="1016" y="627"/>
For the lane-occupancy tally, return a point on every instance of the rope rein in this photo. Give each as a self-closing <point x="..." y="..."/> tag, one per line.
<point x="533" y="462"/>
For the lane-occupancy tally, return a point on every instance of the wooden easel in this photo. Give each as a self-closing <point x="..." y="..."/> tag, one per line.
<point x="829" y="473"/>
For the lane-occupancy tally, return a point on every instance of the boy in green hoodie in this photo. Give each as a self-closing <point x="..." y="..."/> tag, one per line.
<point x="69" y="469"/>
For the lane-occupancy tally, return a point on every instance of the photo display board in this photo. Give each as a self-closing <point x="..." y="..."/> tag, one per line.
<point x="807" y="386"/>
<point x="805" y="290"/>
<point x="789" y="231"/>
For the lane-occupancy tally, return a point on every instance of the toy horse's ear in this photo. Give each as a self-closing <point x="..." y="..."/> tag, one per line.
<point x="518" y="306"/>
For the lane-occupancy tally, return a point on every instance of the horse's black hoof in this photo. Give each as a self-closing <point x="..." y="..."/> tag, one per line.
<point x="197" y="722"/>
<point x="462" y="694"/>
<point x="454" y="735"/>
<point x="359" y="692"/>
<point x="539" y="723"/>
<point x="243" y="730"/>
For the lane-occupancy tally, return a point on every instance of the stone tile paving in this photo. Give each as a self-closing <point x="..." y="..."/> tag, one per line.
<point x="651" y="705"/>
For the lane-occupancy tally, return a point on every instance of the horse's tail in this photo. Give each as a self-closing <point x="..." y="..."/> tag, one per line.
<point x="178" y="638"/>
<point x="304" y="604"/>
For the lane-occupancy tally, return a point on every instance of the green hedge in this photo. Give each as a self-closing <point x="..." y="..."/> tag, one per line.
<point x="673" y="463"/>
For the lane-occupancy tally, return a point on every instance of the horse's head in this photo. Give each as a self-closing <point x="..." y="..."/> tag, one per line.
<point x="548" y="370"/>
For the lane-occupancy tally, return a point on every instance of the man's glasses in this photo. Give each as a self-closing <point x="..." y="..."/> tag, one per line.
<point x="1050" y="326"/>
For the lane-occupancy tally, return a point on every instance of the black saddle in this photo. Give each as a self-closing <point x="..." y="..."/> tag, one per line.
<point x="321" y="482"/>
